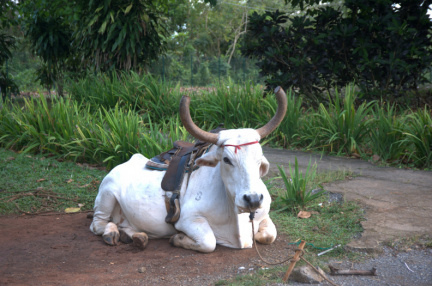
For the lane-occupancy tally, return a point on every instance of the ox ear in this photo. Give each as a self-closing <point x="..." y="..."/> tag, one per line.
<point x="210" y="159"/>
<point x="265" y="166"/>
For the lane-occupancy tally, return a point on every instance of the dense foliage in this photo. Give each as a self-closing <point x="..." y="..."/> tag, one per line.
<point x="109" y="118"/>
<point x="383" y="47"/>
<point x="103" y="35"/>
<point x="76" y="38"/>
<point x="7" y="44"/>
<point x="120" y="34"/>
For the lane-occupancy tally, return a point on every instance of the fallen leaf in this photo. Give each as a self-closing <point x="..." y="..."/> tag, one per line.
<point x="72" y="210"/>
<point x="84" y="186"/>
<point x="355" y="155"/>
<point x="40" y="180"/>
<point x="376" y="158"/>
<point x="304" y="214"/>
<point x="10" y="159"/>
<point x="69" y="181"/>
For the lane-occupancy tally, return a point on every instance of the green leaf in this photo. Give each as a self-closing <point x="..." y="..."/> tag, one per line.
<point x="128" y="8"/>
<point x="103" y="27"/>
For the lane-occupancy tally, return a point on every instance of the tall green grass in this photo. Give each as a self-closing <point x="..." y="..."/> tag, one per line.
<point x="386" y="133"/>
<point x="291" y="126"/>
<point x="71" y="131"/>
<point x="103" y="90"/>
<point x="38" y="126"/>
<point x="107" y="118"/>
<point x="419" y="135"/>
<point x="340" y="127"/>
<point x="141" y="93"/>
<point x="235" y="106"/>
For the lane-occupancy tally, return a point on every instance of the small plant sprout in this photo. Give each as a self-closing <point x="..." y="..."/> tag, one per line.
<point x="298" y="188"/>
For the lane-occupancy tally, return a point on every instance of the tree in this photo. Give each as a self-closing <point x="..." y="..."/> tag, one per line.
<point x="7" y="43"/>
<point x="211" y="30"/>
<point x="47" y="25"/>
<point x="382" y="47"/>
<point x="121" y="34"/>
<point x="95" y="35"/>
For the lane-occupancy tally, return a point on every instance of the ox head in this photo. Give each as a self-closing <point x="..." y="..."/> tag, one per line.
<point x="240" y="155"/>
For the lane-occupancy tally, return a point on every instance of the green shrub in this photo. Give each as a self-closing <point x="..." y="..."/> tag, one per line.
<point x="298" y="192"/>
<point x="71" y="131"/>
<point x="39" y="126"/>
<point x="419" y="135"/>
<point x="386" y="133"/>
<point x="340" y="128"/>
<point x="290" y="127"/>
<point x="129" y="90"/>
<point x="383" y="49"/>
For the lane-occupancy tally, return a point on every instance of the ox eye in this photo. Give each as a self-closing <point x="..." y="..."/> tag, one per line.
<point x="227" y="161"/>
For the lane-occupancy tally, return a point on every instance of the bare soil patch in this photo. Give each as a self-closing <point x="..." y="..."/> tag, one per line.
<point x="61" y="250"/>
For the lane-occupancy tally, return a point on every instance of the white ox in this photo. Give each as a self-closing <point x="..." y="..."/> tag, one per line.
<point x="215" y="202"/>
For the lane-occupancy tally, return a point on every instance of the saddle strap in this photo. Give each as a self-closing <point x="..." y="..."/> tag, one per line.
<point x="174" y="174"/>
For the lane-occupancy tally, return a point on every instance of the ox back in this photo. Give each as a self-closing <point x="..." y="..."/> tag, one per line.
<point x="177" y="162"/>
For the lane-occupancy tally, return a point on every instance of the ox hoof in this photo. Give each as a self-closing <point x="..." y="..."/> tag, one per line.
<point x="111" y="238"/>
<point x="124" y="237"/>
<point x="140" y="240"/>
<point x="176" y="237"/>
<point x="264" y="239"/>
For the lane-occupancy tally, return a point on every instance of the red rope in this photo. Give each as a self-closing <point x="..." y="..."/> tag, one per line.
<point x="238" y="146"/>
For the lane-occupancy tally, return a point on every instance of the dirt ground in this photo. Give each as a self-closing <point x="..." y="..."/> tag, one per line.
<point x="61" y="250"/>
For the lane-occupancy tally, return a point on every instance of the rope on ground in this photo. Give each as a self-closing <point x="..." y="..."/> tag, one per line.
<point x="296" y="257"/>
<point x="259" y="254"/>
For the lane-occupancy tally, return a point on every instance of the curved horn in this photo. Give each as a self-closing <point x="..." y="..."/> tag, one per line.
<point x="280" y="113"/>
<point x="190" y="126"/>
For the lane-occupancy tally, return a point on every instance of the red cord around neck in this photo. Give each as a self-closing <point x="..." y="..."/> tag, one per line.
<point x="238" y="146"/>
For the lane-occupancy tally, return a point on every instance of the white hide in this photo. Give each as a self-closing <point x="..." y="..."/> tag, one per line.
<point x="212" y="208"/>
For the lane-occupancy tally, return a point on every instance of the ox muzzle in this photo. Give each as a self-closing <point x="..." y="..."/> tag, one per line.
<point x="253" y="201"/>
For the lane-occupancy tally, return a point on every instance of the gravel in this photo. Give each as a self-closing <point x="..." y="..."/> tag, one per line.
<point x="413" y="267"/>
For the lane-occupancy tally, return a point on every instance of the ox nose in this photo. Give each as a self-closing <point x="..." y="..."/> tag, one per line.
<point x="253" y="201"/>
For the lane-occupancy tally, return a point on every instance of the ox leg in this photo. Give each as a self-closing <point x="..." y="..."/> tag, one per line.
<point x="199" y="238"/>
<point x="267" y="231"/>
<point x="105" y="204"/>
<point x="128" y="235"/>
<point x="125" y="236"/>
<point x="140" y="240"/>
<point x="111" y="234"/>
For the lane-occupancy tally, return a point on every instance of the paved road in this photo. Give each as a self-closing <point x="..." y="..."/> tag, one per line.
<point x="398" y="204"/>
<point x="398" y="201"/>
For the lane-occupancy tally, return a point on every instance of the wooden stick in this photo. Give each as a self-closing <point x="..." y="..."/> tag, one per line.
<point x="335" y="271"/>
<point x="317" y="271"/>
<point x="294" y="260"/>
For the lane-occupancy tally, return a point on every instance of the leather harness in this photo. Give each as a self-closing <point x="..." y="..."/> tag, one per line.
<point x="177" y="161"/>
